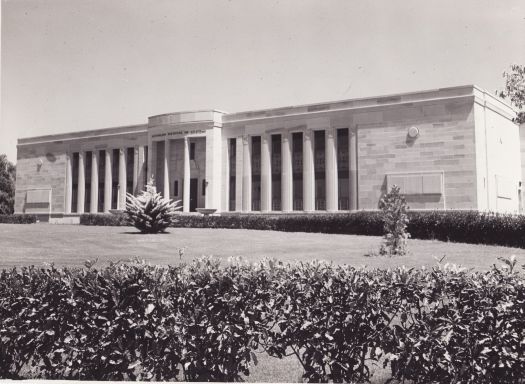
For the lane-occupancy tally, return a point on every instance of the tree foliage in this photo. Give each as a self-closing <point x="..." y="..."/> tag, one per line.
<point x="7" y="186"/>
<point x="150" y="212"/>
<point x="515" y="89"/>
<point x="394" y="207"/>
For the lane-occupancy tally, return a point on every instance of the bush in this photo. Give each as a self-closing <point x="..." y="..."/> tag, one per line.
<point x="457" y="226"/>
<point x="394" y="207"/>
<point x="150" y="212"/>
<point x="18" y="219"/>
<point x="104" y="219"/>
<point x="203" y="322"/>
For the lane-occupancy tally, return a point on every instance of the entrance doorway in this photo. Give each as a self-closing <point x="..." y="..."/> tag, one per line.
<point x="194" y="189"/>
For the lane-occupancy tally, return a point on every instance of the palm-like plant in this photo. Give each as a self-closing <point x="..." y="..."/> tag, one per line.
<point x="150" y="212"/>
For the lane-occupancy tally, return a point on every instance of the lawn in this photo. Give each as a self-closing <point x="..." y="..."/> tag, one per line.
<point x="70" y="245"/>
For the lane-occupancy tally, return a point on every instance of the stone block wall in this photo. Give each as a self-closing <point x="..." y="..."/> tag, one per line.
<point x="40" y="167"/>
<point x="445" y="143"/>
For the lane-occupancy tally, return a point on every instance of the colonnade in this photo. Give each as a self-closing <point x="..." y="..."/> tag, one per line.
<point x="139" y="165"/>
<point x="243" y="178"/>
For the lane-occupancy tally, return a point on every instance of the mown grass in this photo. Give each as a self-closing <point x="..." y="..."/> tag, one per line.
<point x="70" y="245"/>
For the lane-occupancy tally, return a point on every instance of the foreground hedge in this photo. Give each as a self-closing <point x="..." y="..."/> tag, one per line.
<point x="207" y="322"/>
<point x="18" y="219"/>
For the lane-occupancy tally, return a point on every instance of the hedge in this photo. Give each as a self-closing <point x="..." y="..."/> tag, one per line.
<point x="104" y="219"/>
<point x="457" y="226"/>
<point x="18" y="219"/>
<point x="204" y="321"/>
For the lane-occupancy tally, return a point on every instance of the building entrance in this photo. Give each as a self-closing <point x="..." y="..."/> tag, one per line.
<point x="194" y="189"/>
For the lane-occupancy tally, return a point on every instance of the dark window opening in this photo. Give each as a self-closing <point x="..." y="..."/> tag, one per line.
<point x="176" y="188"/>
<point x="256" y="173"/>
<point x="146" y="176"/>
<point x="74" y="177"/>
<point x="203" y="187"/>
<point x="342" y="169"/>
<point x="192" y="151"/>
<point x="88" y="162"/>
<point x="232" y="164"/>
<point x="130" y="162"/>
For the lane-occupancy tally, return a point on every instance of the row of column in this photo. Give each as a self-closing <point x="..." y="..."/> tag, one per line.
<point x="138" y="179"/>
<point x="244" y="184"/>
<point x="187" y="173"/>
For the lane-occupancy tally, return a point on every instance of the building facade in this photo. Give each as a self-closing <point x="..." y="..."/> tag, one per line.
<point x="450" y="148"/>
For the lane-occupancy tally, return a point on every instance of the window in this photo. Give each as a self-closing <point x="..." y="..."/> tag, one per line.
<point x="192" y="151"/>
<point x="176" y="188"/>
<point x="203" y="187"/>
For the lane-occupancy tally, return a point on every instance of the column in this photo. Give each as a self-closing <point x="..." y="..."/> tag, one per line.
<point x="331" y="170"/>
<point x="122" y="179"/>
<point x="308" y="172"/>
<point x="286" y="172"/>
<point x="108" y="180"/>
<point x="352" y="166"/>
<point x="238" y="173"/>
<point x="247" y="175"/>
<point x="69" y="184"/>
<point x="93" y="208"/>
<point x="135" y="170"/>
<point x="138" y="185"/>
<point x="226" y="175"/>
<point x="166" y="191"/>
<point x="266" y="174"/>
<point x="81" y="183"/>
<point x="187" y="177"/>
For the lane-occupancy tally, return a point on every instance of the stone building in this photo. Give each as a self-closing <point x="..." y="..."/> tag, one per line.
<point x="450" y="148"/>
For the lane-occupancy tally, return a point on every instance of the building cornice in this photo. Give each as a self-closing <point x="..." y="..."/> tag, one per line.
<point x="82" y="135"/>
<point x="371" y="103"/>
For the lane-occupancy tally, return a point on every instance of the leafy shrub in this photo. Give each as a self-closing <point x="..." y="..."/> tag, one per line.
<point x="458" y="226"/>
<point x="134" y="322"/>
<point x="204" y="321"/>
<point x="18" y="219"/>
<point x="150" y="212"/>
<point x="395" y="218"/>
<point x="104" y="219"/>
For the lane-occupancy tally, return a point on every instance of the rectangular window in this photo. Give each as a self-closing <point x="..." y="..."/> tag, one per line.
<point x="256" y="173"/>
<point x="146" y="170"/>
<point x="343" y="173"/>
<point x="192" y="151"/>
<point x="203" y="187"/>
<point x="232" y="152"/>
<point x="176" y="188"/>
<point x="297" y="167"/>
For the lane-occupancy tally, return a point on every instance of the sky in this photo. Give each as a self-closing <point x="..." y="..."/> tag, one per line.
<point x="72" y="65"/>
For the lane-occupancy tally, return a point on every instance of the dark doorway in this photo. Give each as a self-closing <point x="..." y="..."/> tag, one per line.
<point x="194" y="189"/>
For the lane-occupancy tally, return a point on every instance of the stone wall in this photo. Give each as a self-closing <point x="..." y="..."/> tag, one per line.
<point x="40" y="167"/>
<point x="445" y="144"/>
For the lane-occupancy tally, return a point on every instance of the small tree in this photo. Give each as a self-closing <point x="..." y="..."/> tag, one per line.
<point x="515" y="89"/>
<point x="150" y="212"/>
<point x="7" y="186"/>
<point x="394" y="207"/>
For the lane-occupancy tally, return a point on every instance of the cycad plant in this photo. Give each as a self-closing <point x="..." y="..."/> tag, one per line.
<point x="150" y="212"/>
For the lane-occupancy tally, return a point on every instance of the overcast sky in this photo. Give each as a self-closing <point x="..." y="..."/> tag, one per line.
<point x="70" y="65"/>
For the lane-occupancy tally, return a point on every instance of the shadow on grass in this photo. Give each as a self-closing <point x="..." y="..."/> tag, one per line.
<point x="140" y="233"/>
